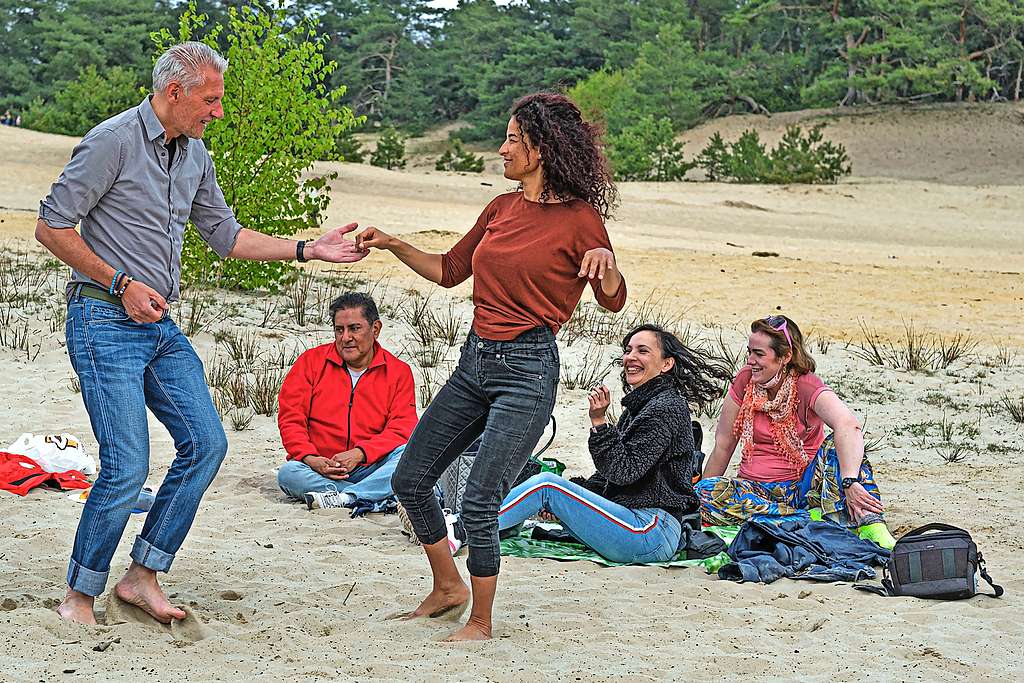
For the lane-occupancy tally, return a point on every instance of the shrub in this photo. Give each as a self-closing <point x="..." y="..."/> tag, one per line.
<point x="647" y="150"/>
<point x="279" y="118"/>
<point x="458" y="159"/>
<point x="798" y="158"/>
<point x="349" y="148"/>
<point x="390" y="152"/>
<point x="79" y="105"/>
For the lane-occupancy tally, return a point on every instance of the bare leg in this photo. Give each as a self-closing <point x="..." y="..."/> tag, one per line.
<point x="139" y="587"/>
<point x="77" y="607"/>
<point x="449" y="591"/>
<point x="478" y="627"/>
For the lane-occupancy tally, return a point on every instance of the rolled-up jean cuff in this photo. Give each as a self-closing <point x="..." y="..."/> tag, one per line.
<point x="85" y="580"/>
<point x="151" y="557"/>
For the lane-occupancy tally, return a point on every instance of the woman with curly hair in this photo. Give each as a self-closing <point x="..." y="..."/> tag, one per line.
<point x="777" y="410"/>
<point x="631" y="509"/>
<point x="531" y="253"/>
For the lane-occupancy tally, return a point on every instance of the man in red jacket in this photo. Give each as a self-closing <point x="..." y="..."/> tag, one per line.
<point x="347" y="410"/>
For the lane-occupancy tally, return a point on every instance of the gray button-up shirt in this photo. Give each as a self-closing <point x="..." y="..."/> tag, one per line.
<point x="132" y="209"/>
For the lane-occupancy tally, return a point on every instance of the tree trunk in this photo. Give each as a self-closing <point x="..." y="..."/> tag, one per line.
<point x="1016" y="89"/>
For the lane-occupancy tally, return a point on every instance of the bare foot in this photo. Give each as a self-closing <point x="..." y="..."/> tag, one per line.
<point x="449" y="603"/>
<point x="139" y="587"/>
<point x="77" y="607"/>
<point x="473" y="630"/>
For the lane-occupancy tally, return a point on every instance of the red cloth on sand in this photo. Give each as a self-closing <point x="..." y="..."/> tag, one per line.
<point x="20" y="474"/>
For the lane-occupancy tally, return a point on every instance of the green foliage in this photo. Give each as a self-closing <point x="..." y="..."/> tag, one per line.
<point x="349" y="148"/>
<point x="390" y="151"/>
<point x="460" y="160"/>
<point x="279" y="118"/>
<point x="85" y="101"/>
<point x="798" y="158"/>
<point x="45" y="44"/>
<point x="647" y="150"/>
<point x="412" y="66"/>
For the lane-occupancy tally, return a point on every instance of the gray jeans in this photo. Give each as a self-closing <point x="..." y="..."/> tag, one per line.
<point x="503" y="391"/>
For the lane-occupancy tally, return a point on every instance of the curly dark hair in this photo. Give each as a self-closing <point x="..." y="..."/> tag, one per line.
<point x="574" y="165"/>
<point x="699" y="376"/>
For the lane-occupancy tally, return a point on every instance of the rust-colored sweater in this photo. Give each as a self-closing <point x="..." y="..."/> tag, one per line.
<point x="525" y="260"/>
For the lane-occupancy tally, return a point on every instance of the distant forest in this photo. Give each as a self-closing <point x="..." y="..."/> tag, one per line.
<point x="413" y="67"/>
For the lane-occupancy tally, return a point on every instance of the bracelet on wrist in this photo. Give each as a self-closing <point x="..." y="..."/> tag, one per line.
<point x="127" y="280"/>
<point x="113" y="281"/>
<point x="300" y="247"/>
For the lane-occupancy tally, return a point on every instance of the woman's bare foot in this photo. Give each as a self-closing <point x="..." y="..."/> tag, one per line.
<point x="139" y="587"/>
<point x="473" y="630"/>
<point x="77" y="607"/>
<point x="449" y="603"/>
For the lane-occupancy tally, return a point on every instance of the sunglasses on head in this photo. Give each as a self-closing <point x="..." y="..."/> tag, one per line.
<point x="780" y="324"/>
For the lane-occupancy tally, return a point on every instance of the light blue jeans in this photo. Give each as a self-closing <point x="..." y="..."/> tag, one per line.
<point x="124" y="367"/>
<point x="617" y="533"/>
<point x="367" y="482"/>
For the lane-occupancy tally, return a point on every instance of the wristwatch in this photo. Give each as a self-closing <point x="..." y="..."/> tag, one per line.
<point x="847" y="482"/>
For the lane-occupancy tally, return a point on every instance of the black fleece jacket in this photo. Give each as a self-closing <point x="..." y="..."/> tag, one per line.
<point x="646" y="459"/>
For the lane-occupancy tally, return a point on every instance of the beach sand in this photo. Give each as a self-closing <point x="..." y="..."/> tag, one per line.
<point x="927" y="231"/>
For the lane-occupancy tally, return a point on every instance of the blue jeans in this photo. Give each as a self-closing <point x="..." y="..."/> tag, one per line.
<point x="504" y="391"/>
<point x="617" y="533"/>
<point x="123" y="368"/>
<point x="367" y="482"/>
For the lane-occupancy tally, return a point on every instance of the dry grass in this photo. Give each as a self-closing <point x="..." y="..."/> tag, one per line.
<point x="589" y="371"/>
<point x="913" y="350"/>
<point x="1013" y="407"/>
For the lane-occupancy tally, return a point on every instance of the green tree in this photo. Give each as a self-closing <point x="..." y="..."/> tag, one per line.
<point x="459" y="160"/>
<point x="81" y="104"/>
<point x="798" y="158"/>
<point x="390" y="151"/>
<point x="279" y="118"/>
<point x="647" y="150"/>
<point x="44" y="44"/>
<point x="349" y="147"/>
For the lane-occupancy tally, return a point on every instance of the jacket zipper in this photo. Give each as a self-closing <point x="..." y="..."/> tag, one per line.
<point x="348" y="418"/>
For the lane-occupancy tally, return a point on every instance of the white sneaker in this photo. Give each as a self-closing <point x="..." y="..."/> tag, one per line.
<point x="328" y="499"/>
<point x="456" y="532"/>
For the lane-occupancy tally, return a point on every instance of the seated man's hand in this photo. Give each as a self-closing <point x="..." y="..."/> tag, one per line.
<point x="349" y="460"/>
<point x="325" y="467"/>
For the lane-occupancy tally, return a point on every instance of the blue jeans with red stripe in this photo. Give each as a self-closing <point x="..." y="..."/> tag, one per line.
<point x="617" y="533"/>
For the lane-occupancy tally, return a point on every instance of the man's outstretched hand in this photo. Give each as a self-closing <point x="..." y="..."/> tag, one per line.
<point x="333" y="247"/>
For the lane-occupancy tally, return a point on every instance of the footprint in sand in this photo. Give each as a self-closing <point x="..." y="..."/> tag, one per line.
<point x="187" y="630"/>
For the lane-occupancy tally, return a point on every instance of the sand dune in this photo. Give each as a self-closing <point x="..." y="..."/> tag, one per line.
<point x="275" y="592"/>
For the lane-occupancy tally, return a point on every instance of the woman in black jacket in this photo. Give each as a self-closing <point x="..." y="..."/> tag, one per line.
<point x="630" y="509"/>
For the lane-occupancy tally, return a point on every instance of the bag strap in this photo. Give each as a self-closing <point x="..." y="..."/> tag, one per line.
<point x="998" y="590"/>
<point x="934" y="526"/>
<point x="885" y="589"/>
<point x="554" y="429"/>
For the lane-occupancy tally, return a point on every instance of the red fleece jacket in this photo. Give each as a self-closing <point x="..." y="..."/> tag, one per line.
<point x="320" y="413"/>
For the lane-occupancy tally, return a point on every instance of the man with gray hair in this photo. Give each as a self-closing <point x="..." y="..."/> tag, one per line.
<point x="132" y="184"/>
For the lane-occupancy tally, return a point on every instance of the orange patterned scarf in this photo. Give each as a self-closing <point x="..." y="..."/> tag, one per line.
<point x="781" y="411"/>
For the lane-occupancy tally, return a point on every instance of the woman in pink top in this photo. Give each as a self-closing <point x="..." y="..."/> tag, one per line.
<point x="777" y="408"/>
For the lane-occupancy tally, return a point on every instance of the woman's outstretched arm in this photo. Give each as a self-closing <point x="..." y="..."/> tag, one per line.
<point x="422" y="263"/>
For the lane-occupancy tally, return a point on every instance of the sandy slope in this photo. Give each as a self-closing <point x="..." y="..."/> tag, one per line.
<point x="267" y="581"/>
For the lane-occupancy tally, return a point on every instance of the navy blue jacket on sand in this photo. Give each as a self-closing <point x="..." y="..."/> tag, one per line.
<point x="821" y="551"/>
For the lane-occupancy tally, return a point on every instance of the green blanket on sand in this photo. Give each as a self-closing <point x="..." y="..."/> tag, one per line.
<point x="524" y="546"/>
